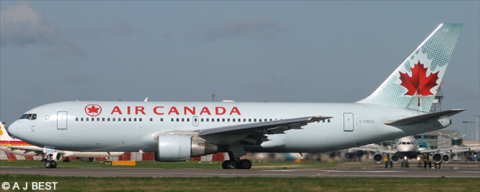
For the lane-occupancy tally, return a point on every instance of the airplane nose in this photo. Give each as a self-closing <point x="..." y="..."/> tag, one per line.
<point x="13" y="129"/>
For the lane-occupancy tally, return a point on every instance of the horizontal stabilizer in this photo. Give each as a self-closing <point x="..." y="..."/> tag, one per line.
<point x="423" y="118"/>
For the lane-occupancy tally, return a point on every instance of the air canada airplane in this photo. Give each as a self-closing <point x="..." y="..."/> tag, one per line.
<point x="409" y="148"/>
<point x="19" y="147"/>
<point x="176" y="131"/>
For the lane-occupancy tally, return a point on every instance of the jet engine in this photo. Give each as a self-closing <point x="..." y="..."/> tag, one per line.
<point x="395" y="158"/>
<point x="86" y="159"/>
<point x="56" y="156"/>
<point x="437" y="158"/>
<point x="378" y="158"/>
<point x="175" y="147"/>
<point x="445" y="158"/>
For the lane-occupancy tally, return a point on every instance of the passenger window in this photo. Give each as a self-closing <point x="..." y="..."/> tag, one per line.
<point x="213" y="120"/>
<point x="108" y="119"/>
<point x="76" y="119"/>
<point x="124" y="119"/>
<point x="249" y="120"/>
<point x="134" y="119"/>
<point x="86" y="119"/>
<point x="182" y="120"/>
<point x="244" y="120"/>
<point x="259" y="120"/>
<point x="93" y="119"/>
<point x="139" y="119"/>
<point x="98" y="118"/>
<point x="201" y="120"/>
<point x="254" y="120"/>
<point x="206" y="119"/>
<point x="81" y="119"/>
<point x="113" y="119"/>
<point x="172" y="119"/>
<point x="218" y="119"/>
<point x="151" y="119"/>
<point x="161" y="119"/>
<point x="233" y="120"/>
<point x="188" y="119"/>
<point x="223" y="119"/>
<point x="177" y="119"/>
<point x="103" y="118"/>
<point x="129" y="119"/>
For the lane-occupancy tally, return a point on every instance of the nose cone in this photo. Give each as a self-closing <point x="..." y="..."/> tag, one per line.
<point x="13" y="129"/>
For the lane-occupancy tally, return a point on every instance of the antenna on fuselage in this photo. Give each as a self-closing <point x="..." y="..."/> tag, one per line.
<point x="146" y="99"/>
<point x="213" y="97"/>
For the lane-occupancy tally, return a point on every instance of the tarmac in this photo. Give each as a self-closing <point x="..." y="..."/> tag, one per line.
<point x="452" y="172"/>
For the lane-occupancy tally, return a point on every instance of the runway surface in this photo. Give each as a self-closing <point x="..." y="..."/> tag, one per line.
<point x="310" y="172"/>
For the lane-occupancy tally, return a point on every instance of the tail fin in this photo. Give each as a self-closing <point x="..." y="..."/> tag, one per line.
<point x="414" y="84"/>
<point x="4" y="135"/>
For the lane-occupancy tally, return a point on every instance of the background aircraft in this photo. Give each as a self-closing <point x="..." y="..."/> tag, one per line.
<point x="19" y="147"/>
<point x="176" y="131"/>
<point x="409" y="148"/>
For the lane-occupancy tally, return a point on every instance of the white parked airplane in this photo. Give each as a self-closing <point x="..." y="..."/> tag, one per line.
<point x="409" y="148"/>
<point x="176" y="131"/>
<point x="19" y="147"/>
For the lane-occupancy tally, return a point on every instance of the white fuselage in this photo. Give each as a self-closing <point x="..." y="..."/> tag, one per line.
<point x="131" y="126"/>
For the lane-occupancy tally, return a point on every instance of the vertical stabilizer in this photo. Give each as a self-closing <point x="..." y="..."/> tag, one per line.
<point x="4" y="135"/>
<point x="414" y="84"/>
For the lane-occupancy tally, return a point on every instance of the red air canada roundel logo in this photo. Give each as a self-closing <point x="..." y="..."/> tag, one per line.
<point x="93" y="110"/>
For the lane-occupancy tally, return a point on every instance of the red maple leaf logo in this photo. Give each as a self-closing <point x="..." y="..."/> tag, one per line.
<point x="419" y="83"/>
<point x="93" y="110"/>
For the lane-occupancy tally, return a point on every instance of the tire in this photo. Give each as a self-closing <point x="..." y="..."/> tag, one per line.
<point x="231" y="164"/>
<point x="48" y="164"/>
<point x="245" y="164"/>
<point x="224" y="165"/>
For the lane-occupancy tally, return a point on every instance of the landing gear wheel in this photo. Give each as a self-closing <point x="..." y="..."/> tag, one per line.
<point x="224" y="165"/>
<point x="54" y="164"/>
<point x="244" y="164"/>
<point x="48" y="164"/>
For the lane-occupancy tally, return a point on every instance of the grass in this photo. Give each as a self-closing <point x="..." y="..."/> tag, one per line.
<point x="248" y="184"/>
<point x="187" y="165"/>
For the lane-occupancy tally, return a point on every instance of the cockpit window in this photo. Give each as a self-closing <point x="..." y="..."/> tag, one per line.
<point x="29" y="116"/>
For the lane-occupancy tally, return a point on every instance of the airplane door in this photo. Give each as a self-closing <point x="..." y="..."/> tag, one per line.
<point x="195" y="121"/>
<point x="62" y="120"/>
<point x="348" y="122"/>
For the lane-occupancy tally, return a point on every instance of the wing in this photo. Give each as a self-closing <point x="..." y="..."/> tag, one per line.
<point x="23" y="149"/>
<point x="376" y="150"/>
<point x="446" y="150"/>
<point x="255" y="132"/>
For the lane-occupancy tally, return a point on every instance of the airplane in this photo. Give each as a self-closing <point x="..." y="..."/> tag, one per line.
<point x="19" y="147"/>
<point x="409" y="148"/>
<point x="177" y="131"/>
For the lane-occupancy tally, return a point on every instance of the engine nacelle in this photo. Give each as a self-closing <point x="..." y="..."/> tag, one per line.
<point x="378" y="158"/>
<point x="395" y="158"/>
<point x="437" y="158"/>
<point x="86" y="159"/>
<point x="56" y="156"/>
<point x="445" y="158"/>
<point x="176" y="147"/>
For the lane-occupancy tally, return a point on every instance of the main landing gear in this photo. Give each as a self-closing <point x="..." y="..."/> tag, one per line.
<point x="237" y="164"/>
<point x="49" y="162"/>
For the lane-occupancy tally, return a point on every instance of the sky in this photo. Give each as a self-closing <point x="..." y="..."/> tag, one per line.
<point x="276" y="51"/>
